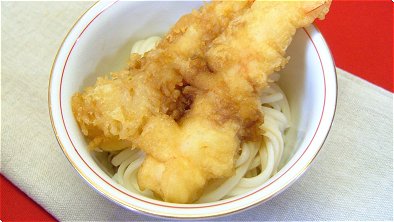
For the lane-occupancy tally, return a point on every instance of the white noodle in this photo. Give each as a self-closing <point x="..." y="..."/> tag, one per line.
<point x="231" y="182"/>
<point x="271" y="98"/>
<point x="243" y="157"/>
<point x="122" y="156"/>
<point x="256" y="162"/>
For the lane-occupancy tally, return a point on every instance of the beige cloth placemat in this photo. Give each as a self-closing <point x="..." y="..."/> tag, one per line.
<point x="352" y="178"/>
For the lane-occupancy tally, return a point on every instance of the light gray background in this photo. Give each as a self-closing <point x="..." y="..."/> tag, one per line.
<point x="351" y="179"/>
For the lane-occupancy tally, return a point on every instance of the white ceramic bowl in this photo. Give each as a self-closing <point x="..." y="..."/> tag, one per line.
<point x="100" y="42"/>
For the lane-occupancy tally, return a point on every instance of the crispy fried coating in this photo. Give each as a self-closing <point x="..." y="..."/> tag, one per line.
<point x="190" y="103"/>
<point x="225" y="108"/>
<point x="113" y="112"/>
<point x="189" y="152"/>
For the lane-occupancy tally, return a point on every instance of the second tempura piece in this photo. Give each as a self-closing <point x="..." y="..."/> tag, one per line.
<point x="184" y="156"/>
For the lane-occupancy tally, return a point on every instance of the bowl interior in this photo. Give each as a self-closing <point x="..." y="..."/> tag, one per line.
<point x="101" y="43"/>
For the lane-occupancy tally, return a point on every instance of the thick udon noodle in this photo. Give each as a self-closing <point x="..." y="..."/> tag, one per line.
<point x="256" y="163"/>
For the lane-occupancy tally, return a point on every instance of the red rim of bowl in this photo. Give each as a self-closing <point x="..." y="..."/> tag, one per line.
<point x="139" y="199"/>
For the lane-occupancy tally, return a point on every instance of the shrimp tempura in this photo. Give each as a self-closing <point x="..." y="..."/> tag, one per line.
<point x="113" y="112"/>
<point x="183" y="156"/>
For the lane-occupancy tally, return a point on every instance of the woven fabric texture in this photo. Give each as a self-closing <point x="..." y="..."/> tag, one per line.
<point x="351" y="179"/>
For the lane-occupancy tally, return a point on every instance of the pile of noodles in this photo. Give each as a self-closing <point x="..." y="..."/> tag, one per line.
<point x="257" y="162"/>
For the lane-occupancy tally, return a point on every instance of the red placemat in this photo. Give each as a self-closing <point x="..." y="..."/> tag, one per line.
<point x="360" y="35"/>
<point x="17" y="206"/>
